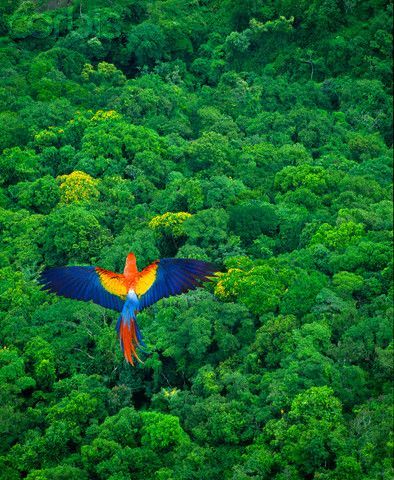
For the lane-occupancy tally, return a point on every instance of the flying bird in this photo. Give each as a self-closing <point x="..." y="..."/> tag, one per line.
<point x="128" y="292"/>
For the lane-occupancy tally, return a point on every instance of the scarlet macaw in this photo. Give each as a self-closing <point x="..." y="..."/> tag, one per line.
<point x="130" y="292"/>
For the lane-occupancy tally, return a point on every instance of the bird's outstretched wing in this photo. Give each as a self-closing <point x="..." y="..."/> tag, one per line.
<point x="103" y="287"/>
<point x="171" y="276"/>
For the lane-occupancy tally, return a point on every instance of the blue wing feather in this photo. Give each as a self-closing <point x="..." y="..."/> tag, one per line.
<point x="79" y="283"/>
<point x="175" y="276"/>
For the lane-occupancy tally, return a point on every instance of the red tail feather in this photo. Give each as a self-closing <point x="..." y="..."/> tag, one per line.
<point x="129" y="340"/>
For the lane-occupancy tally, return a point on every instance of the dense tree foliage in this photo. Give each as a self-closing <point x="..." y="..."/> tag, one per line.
<point x="255" y="135"/>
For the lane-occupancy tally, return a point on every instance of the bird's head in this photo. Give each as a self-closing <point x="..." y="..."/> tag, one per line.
<point x="130" y="268"/>
<point x="131" y="257"/>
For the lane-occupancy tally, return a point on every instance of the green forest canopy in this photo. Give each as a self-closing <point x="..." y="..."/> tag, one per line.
<point x="255" y="135"/>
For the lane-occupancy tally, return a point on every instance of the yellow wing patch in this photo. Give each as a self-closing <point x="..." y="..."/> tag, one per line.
<point x="112" y="282"/>
<point x="146" y="279"/>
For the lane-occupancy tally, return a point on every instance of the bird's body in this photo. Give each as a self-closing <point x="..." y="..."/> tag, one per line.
<point x="129" y="292"/>
<point x="127" y="326"/>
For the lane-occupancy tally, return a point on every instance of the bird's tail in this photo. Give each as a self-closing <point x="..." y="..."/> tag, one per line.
<point x="129" y="334"/>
